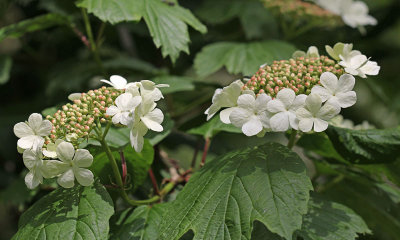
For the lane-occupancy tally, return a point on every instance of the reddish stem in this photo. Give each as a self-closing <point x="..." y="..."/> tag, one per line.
<point x="205" y="151"/>
<point x="81" y="36"/>
<point x="196" y="151"/>
<point x="154" y="182"/>
<point x="124" y="168"/>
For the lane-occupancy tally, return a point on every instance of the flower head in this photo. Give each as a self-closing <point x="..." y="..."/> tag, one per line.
<point x="125" y="105"/>
<point x="336" y="92"/>
<point x="355" y="14"/>
<point x="315" y="115"/>
<point x="72" y="165"/>
<point x="251" y="114"/>
<point x="284" y="109"/>
<point x="31" y="133"/>
<point x="359" y="65"/>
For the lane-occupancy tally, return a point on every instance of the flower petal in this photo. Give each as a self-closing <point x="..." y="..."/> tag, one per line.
<point x="31" y="180"/>
<point x="320" y="125"/>
<point x="313" y="103"/>
<point x="84" y="176"/>
<point x="106" y="81"/>
<point x="328" y="111"/>
<point x="329" y="81"/>
<point x="302" y="113"/>
<point x="264" y="117"/>
<point x="65" y="151"/>
<point x="286" y="96"/>
<point x="118" y="82"/>
<point x="276" y="106"/>
<point x="240" y="116"/>
<point x="345" y="84"/>
<point x="44" y="128"/>
<point x="83" y="158"/>
<point x="347" y="99"/>
<point x="224" y="115"/>
<point x="252" y="127"/>
<point x="305" y="124"/>
<point x="153" y="120"/>
<point x="52" y="168"/>
<point x="22" y="129"/>
<point x="298" y="102"/>
<point x="34" y="121"/>
<point x="280" y="122"/>
<point x="262" y="101"/>
<point x="293" y="120"/>
<point x="116" y="118"/>
<point x="136" y="136"/>
<point x="322" y="92"/>
<point x="370" y="68"/>
<point x="29" y="141"/>
<point x="112" y="110"/>
<point x="67" y="179"/>
<point x="30" y="158"/>
<point x="246" y="101"/>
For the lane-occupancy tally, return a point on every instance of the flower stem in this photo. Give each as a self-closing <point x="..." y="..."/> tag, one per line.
<point x="205" y="151"/>
<point x="93" y="45"/>
<point x="154" y="181"/>
<point x="120" y="182"/>
<point x="292" y="139"/>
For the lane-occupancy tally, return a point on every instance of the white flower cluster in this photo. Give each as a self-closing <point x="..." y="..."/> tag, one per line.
<point x="353" y="13"/>
<point x="136" y="108"/>
<point x="257" y="114"/>
<point x="71" y="163"/>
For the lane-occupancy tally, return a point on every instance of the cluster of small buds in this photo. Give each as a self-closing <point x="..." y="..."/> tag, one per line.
<point x="76" y="120"/>
<point x="300" y="74"/>
<point x="298" y="9"/>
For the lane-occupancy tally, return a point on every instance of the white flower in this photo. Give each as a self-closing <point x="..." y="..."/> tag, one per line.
<point x="251" y="114"/>
<point x="31" y="133"/>
<point x="284" y="107"/>
<point x="226" y="97"/>
<point x="146" y="89"/>
<point x="314" y="114"/>
<point x="355" y="14"/>
<point x="312" y="52"/>
<point x="125" y="104"/>
<point x="336" y="92"/>
<point x="117" y="82"/>
<point x="342" y="51"/>
<point x="33" y="160"/>
<point x="146" y="117"/>
<point x="72" y="165"/>
<point x="359" y="65"/>
<point x="51" y="150"/>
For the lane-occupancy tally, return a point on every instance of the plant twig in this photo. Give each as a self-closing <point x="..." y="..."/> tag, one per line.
<point x="154" y="181"/>
<point x="292" y="139"/>
<point x="124" y="168"/>
<point x="205" y="151"/>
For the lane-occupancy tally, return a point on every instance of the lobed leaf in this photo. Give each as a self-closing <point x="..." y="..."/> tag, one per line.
<point x="267" y="183"/>
<point x="244" y="58"/>
<point x="76" y="213"/>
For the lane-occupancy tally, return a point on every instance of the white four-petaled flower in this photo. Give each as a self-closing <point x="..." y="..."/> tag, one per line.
<point x="316" y="115"/>
<point x="73" y="165"/>
<point x="125" y="104"/>
<point x="336" y="92"/>
<point x="359" y="65"/>
<point x="31" y="133"/>
<point x="284" y="108"/>
<point x="251" y="114"/>
<point x="116" y="82"/>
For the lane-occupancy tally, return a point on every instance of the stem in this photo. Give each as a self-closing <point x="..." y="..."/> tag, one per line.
<point x="205" y="151"/>
<point x="196" y="151"/>
<point x="93" y="46"/>
<point x="124" y="168"/>
<point x="154" y="182"/>
<point x="292" y="139"/>
<point x="100" y="33"/>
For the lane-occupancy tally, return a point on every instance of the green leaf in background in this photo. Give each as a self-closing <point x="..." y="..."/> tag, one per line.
<point x="75" y="213"/>
<point x="167" y="21"/>
<point x="328" y="220"/>
<point x="5" y="68"/>
<point x="33" y="24"/>
<point x="142" y="223"/>
<point x="366" y="146"/>
<point x="244" y="58"/>
<point x="137" y="164"/>
<point x="176" y="84"/>
<point x="213" y="127"/>
<point x="267" y="183"/>
<point x="377" y="203"/>
<point x="320" y="144"/>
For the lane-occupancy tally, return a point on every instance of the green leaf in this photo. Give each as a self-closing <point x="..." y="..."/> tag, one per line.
<point x="366" y="146"/>
<point x="176" y="84"/>
<point x="328" y="220"/>
<point x="244" y="58"/>
<point x="377" y="203"/>
<point x="32" y="25"/>
<point x="142" y="223"/>
<point x="213" y="127"/>
<point x="167" y="23"/>
<point x="114" y="11"/>
<point x="267" y="183"/>
<point x="5" y="68"/>
<point x="137" y="164"/>
<point x="320" y="144"/>
<point x="76" y="213"/>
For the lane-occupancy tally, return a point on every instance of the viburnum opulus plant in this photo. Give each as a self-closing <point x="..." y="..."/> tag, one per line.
<point x="50" y="147"/>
